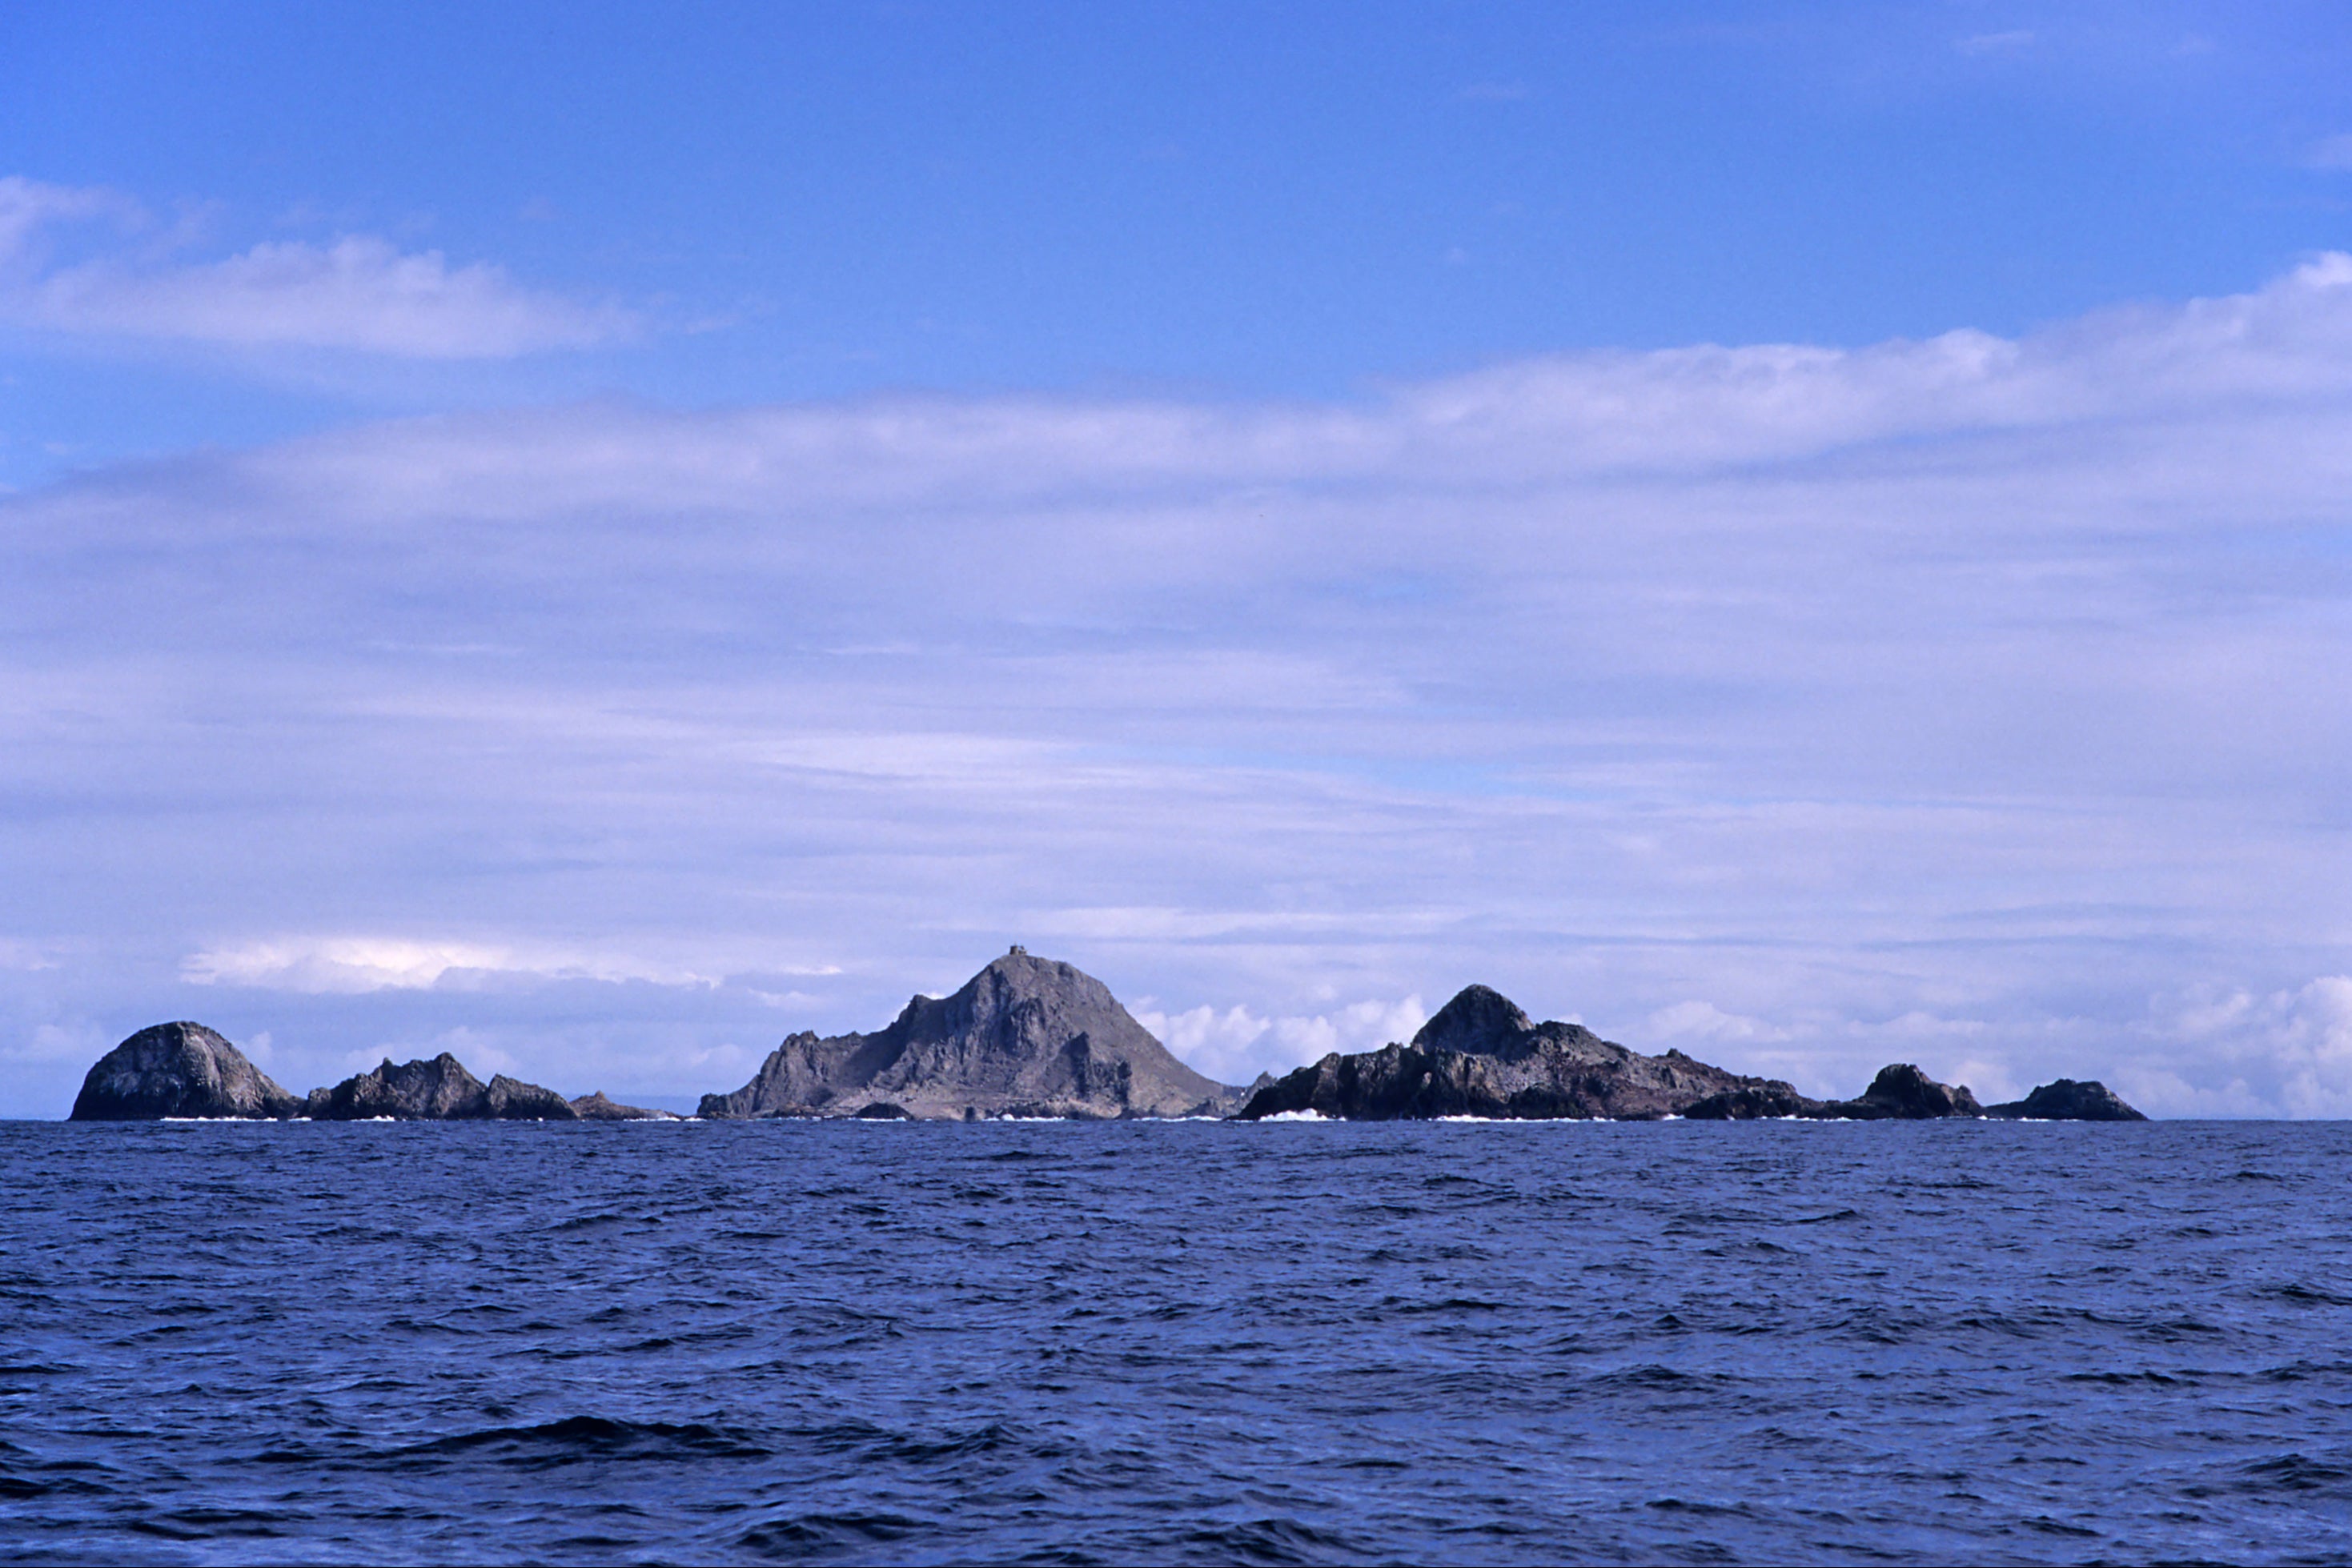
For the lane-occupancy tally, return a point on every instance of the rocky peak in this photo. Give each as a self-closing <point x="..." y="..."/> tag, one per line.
<point x="1025" y="1036"/>
<point x="1019" y="1000"/>
<point x="1478" y="1021"/>
<point x="440" y="1090"/>
<point x="178" y="1070"/>
<point x="2068" y="1100"/>
<point x="1904" y="1091"/>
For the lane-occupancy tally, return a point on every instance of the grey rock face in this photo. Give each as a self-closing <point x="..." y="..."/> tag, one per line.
<point x="598" y="1107"/>
<point x="1025" y="1036"/>
<point x="1481" y="1057"/>
<point x="440" y="1090"/>
<point x="2068" y="1100"/>
<point x="1480" y="1021"/>
<point x="512" y="1101"/>
<point x="178" y="1070"/>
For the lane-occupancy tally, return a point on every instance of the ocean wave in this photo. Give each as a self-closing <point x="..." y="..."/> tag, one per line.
<point x="573" y="1440"/>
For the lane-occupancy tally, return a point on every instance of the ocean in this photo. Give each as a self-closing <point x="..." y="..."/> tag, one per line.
<point x="1178" y="1342"/>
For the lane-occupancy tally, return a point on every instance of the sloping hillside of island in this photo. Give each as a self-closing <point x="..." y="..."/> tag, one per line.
<point x="1024" y="1037"/>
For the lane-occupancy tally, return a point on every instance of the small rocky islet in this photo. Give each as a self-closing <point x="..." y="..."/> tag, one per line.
<point x="1030" y="1037"/>
<point x="175" y="1071"/>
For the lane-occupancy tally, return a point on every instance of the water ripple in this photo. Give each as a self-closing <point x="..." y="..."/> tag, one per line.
<point x="1185" y="1343"/>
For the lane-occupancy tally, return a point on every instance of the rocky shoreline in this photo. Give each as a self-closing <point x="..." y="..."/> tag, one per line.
<point x="1031" y="1036"/>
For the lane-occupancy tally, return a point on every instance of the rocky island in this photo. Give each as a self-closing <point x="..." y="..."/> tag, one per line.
<point x="1024" y="1037"/>
<point x="1034" y="1037"/>
<point x="1481" y="1056"/>
<point x="440" y="1090"/>
<point x="179" y="1070"/>
<point x="184" y="1070"/>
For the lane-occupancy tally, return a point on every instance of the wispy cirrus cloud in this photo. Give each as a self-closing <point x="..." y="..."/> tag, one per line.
<point x="2010" y="41"/>
<point x="1560" y="419"/>
<point x="358" y="293"/>
<point x="2331" y="152"/>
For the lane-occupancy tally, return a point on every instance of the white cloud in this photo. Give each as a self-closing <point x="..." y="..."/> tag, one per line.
<point x="27" y="955"/>
<point x="481" y="1052"/>
<point x="29" y="207"/>
<point x="1935" y="700"/>
<point x="74" y="1045"/>
<point x="1547" y="420"/>
<point x="2214" y="1051"/>
<point x="1235" y="1045"/>
<point x="1704" y="1022"/>
<point x="353" y="964"/>
<point x="357" y="293"/>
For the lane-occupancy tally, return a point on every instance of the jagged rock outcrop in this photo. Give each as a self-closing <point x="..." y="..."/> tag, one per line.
<point x="1902" y="1093"/>
<point x="599" y="1107"/>
<point x="179" y="1070"/>
<point x="1024" y="1037"/>
<point x="514" y="1100"/>
<point x="2068" y="1100"/>
<point x="440" y="1090"/>
<point x="1480" y="1056"/>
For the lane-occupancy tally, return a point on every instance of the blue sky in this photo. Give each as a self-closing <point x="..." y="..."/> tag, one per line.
<point x="596" y="536"/>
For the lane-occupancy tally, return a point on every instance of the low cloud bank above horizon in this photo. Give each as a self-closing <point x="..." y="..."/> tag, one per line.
<point x="1973" y="701"/>
<point x="357" y="293"/>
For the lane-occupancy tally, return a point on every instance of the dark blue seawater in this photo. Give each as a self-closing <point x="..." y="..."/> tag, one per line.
<point x="1176" y="1343"/>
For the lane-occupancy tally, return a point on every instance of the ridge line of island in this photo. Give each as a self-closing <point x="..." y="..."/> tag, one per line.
<point x="1035" y="1038"/>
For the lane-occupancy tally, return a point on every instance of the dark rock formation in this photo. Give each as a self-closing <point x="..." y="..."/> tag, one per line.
<point x="440" y="1090"/>
<point x="1481" y="1057"/>
<point x="1024" y="1037"/>
<point x="2067" y="1101"/>
<point x="1774" y="1100"/>
<point x="178" y="1070"/>
<point x="597" y="1107"/>
<point x="1902" y="1093"/>
<point x="513" y="1100"/>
